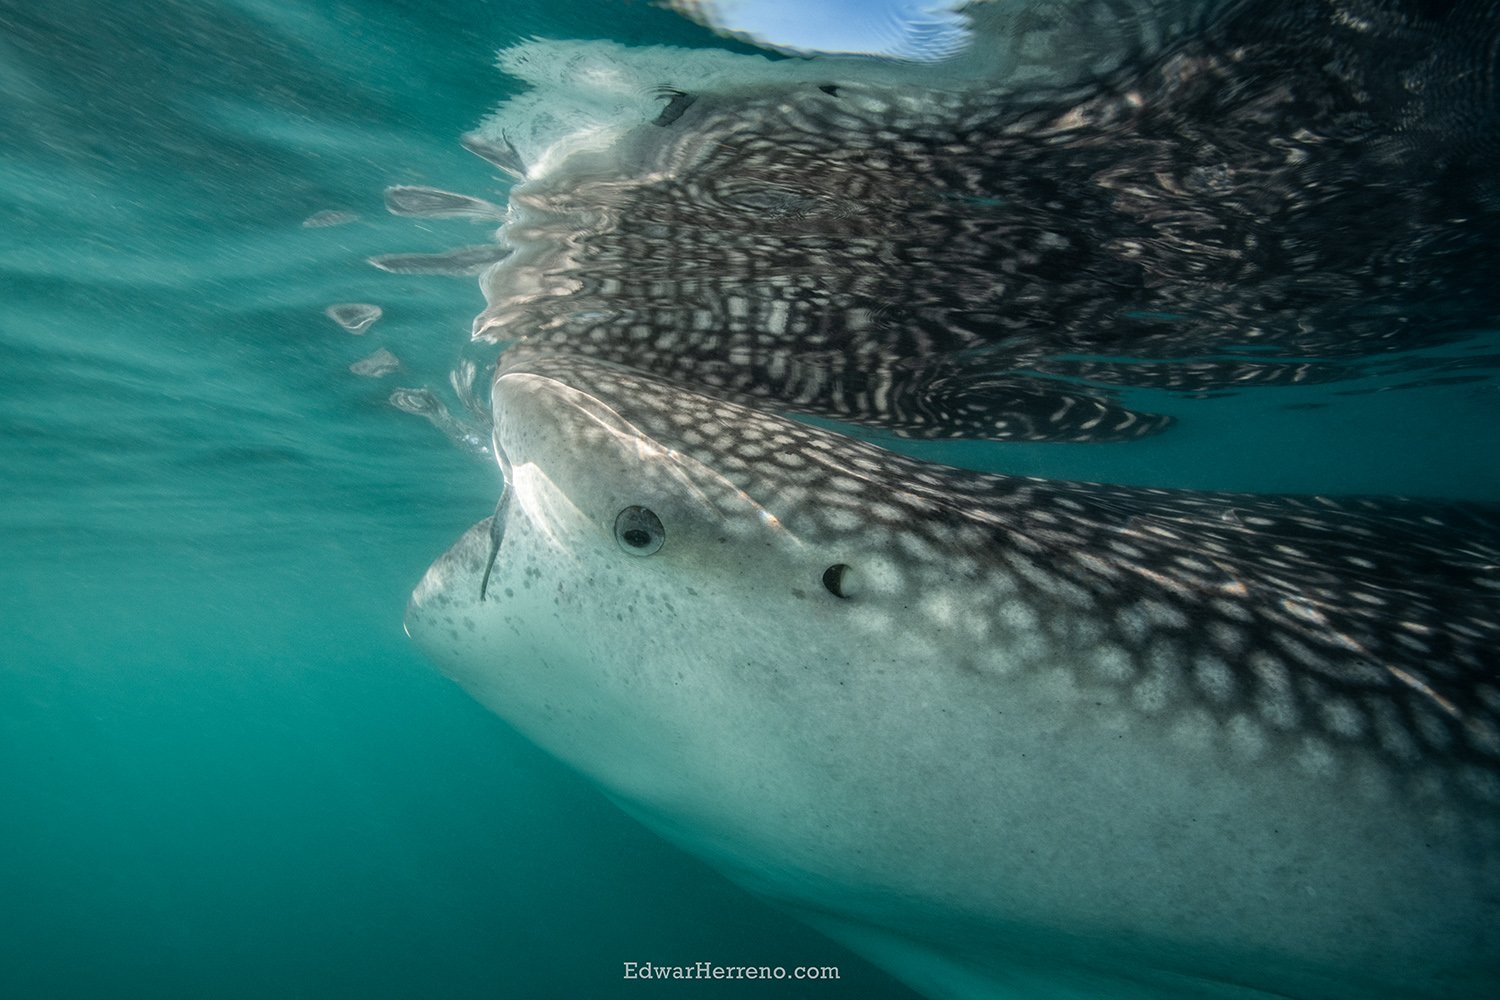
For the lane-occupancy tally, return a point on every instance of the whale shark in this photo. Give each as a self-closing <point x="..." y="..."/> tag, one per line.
<point x="1007" y="737"/>
<point x="994" y="247"/>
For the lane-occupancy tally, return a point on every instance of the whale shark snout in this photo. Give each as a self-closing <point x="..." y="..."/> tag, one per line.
<point x="1006" y="736"/>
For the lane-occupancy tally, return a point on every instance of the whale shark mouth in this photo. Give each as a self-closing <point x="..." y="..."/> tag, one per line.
<point x="496" y="535"/>
<point x="498" y="519"/>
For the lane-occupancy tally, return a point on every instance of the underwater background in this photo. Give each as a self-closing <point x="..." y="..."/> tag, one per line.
<point x="224" y="770"/>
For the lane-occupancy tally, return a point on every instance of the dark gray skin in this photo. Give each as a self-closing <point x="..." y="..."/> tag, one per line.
<point x="1283" y="195"/>
<point x="1008" y="737"/>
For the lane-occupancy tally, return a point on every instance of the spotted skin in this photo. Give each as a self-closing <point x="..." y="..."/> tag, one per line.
<point x="1045" y="739"/>
<point x="1282" y="196"/>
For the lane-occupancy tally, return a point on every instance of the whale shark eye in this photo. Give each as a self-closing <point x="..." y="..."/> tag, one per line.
<point x="639" y="531"/>
<point x="841" y="580"/>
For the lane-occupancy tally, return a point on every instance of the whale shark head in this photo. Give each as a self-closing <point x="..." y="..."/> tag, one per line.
<point x="625" y="535"/>
<point x="1001" y="734"/>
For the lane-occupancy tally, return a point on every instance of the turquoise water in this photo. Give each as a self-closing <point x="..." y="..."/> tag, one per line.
<point x="223" y="769"/>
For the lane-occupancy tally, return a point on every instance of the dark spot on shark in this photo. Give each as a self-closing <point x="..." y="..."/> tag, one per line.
<point x="834" y="579"/>
<point x="678" y="103"/>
